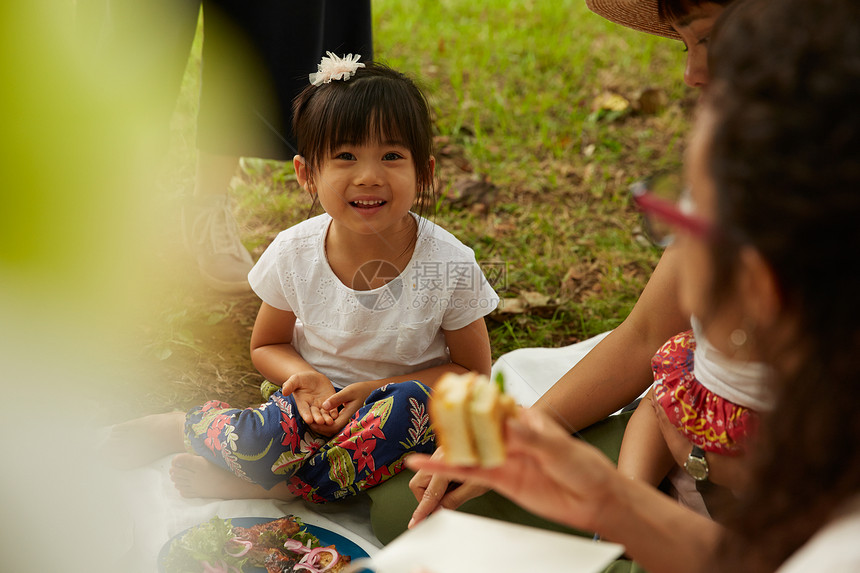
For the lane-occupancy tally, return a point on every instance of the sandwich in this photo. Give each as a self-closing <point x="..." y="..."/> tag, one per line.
<point x="468" y="413"/>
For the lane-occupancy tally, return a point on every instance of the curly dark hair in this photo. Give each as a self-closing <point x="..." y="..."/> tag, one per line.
<point x="785" y="158"/>
<point x="377" y="103"/>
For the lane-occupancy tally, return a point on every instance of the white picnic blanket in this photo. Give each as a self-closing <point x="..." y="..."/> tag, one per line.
<point x="530" y="372"/>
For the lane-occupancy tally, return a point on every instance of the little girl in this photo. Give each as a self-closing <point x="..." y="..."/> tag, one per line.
<point x="364" y="308"/>
<point x="712" y="400"/>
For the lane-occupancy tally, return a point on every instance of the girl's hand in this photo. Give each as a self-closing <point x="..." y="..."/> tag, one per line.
<point x="310" y="390"/>
<point x="732" y="472"/>
<point x="346" y="402"/>
<point x="547" y="472"/>
<point x="432" y="492"/>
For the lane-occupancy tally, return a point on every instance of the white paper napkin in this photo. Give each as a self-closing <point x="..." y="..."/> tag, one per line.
<point x="455" y="542"/>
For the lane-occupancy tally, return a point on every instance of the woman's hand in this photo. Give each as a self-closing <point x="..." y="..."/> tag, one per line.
<point x="311" y="390"/>
<point x="434" y="491"/>
<point x="565" y="480"/>
<point x="546" y="471"/>
<point x="732" y="472"/>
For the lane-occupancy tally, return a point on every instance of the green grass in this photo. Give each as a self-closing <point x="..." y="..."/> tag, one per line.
<point x="513" y="83"/>
<point x="519" y="77"/>
<point x="512" y="86"/>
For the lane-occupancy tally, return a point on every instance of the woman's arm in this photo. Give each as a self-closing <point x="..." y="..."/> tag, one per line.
<point x="568" y="481"/>
<point x="609" y="377"/>
<point x="618" y="369"/>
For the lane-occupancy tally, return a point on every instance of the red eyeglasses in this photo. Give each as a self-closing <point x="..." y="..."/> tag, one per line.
<point x="666" y="206"/>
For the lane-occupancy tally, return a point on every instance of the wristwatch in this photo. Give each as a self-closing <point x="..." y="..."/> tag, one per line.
<point x="696" y="464"/>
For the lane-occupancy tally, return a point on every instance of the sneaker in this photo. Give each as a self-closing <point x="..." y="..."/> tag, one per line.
<point x="212" y="235"/>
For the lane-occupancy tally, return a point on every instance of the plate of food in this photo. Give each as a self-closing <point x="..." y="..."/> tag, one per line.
<point x="257" y="545"/>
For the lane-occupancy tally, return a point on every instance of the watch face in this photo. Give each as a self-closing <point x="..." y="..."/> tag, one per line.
<point x="697" y="467"/>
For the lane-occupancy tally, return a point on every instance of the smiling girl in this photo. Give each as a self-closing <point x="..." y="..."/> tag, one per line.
<point x="363" y="308"/>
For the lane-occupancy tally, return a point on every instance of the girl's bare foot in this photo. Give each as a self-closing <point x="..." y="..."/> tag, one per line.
<point x="144" y="440"/>
<point x="195" y="476"/>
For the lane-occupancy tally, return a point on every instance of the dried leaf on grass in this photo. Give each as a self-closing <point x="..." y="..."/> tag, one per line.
<point x="581" y="279"/>
<point x="529" y="302"/>
<point x="650" y="101"/>
<point x="449" y="152"/>
<point x="609" y="101"/>
<point x="472" y="191"/>
<point x="609" y="106"/>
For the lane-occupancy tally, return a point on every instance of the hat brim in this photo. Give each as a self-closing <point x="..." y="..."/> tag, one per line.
<point x="642" y="15"/>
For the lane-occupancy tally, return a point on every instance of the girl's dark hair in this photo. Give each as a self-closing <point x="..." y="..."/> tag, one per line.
<point x="377" y="103"/>
<point x="785" y="157"/>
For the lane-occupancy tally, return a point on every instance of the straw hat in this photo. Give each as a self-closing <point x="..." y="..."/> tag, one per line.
<point x="642" y="15"/>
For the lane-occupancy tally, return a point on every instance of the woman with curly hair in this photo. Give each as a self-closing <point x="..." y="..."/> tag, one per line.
<point x="774" y="172"/>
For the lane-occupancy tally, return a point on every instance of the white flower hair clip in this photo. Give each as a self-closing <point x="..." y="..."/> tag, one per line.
<point x="335" y="68"/>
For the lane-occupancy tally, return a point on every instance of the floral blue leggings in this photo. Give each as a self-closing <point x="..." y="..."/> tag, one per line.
<point x="271" y="443"/>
